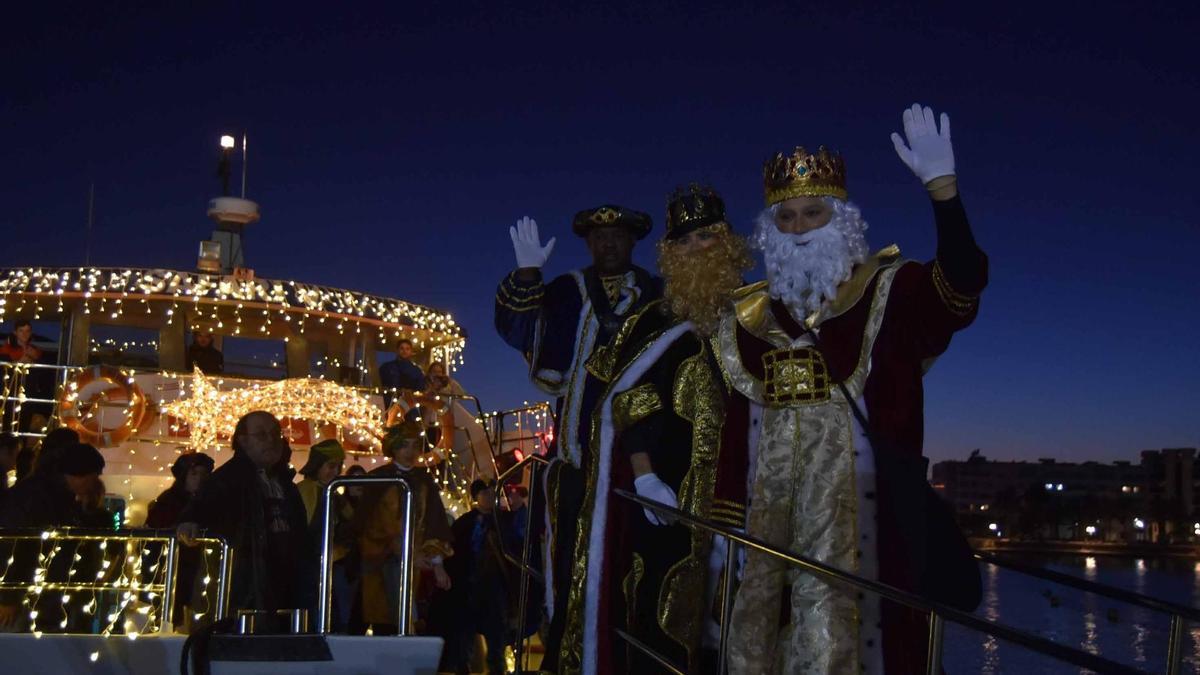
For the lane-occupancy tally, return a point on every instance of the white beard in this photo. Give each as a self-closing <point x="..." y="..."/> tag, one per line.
<point x="805" y="270"/>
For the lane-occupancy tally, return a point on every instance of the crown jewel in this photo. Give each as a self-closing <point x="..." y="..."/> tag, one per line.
<point x="804" y="174"/>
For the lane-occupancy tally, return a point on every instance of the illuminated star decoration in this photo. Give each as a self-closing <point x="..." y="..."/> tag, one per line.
<point x="211" y="413"/>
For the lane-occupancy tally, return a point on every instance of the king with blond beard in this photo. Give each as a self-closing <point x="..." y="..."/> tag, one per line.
<point x="667" y="427"/>
<point x="831" y="350"/>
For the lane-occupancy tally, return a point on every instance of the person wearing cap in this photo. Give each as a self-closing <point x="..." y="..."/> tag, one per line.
<point x="190" y="470"/>
<point x="379" y="522"/>
<point x="324" y="463"/>
<point x="832" y="348"/>
<point x="659" y="432"/>
<point x="556" y="326"/>
<point x="48" y="498"/>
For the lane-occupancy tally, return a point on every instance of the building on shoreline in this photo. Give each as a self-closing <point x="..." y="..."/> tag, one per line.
<point x="1152" y="500"/>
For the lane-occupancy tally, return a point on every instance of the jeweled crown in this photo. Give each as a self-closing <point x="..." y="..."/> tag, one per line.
<point x="804" y="174"/>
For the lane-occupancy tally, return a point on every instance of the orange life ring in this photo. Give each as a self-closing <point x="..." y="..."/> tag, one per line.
<point x="78" y="414"/>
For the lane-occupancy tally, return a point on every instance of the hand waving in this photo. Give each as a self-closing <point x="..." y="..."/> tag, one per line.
<point x="527" y="245"/>
<point x="928" y="153"/>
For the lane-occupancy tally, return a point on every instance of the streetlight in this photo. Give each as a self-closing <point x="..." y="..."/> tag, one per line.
<point x="1090" y="529"/>
<point x="227" y="142"/>
<point x="993" y="527"/>
<point x="1139" y="523"/>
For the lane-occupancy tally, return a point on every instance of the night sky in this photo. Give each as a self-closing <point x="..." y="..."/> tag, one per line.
<point x="391" y="147"/>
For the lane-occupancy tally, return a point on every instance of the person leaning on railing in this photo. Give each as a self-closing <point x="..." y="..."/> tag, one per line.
<point x="252" y="503"/>
<point x="49" y="498"/>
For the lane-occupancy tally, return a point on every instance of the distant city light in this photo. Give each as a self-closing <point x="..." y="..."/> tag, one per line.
<point x="1139" y="523"/>
<point x="1060" y="487"/>
<point x="1049" y="486"/>
<point x="1090" y="529"/>
<point x="227" y="142"/>
<point x="993" y="527"/>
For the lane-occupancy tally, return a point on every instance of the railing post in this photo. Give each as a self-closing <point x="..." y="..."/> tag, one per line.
<point x="727" y="604"/>
<point x="325" y="588"/>
<point x="168" y="597"/>
<point x="1175" y="646"/>
<point x="522" y="609"/>
<point x="936" y="637"/>
<point x="223" y="579"/>
<point x="405" y="564"/>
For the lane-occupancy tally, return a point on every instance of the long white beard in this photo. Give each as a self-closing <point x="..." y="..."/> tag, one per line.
<point x="805" y="270"/>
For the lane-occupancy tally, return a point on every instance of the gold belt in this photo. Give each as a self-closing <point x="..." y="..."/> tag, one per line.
<point x="795" y="377"/>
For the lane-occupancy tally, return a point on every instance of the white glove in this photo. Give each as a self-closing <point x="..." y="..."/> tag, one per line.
<point x="527" y="245"/>
<point x="651" y="487"/>
<point x="928" y="153"/>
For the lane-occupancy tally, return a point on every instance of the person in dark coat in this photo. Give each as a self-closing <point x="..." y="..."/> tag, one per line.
<point x="48" y="498"/>
<point x="203" y="355"/>
<point x="479" y="585"/>
<point x="253" y="504"/>
<point x="191" y="471"/>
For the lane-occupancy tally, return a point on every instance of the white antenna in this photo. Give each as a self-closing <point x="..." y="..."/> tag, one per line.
<point x="244" y="139"/>
<point x="87" y="246"/>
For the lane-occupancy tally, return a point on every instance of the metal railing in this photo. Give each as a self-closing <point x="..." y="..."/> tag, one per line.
<point x="130" y="569"/>
<point x="534" y="463"/>
<point x="325" y="588"/>
<point x="938" y="613"/>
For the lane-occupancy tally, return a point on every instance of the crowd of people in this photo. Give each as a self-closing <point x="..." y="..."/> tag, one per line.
<point x="460" y="583"/>
<point x="789" y="410"/>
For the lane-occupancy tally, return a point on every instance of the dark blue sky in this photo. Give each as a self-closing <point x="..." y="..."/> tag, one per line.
<point x="392" y="146"/>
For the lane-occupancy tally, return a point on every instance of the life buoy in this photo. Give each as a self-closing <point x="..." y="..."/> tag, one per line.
<point x="442" y="411"/>
<point x="82" y="414"/>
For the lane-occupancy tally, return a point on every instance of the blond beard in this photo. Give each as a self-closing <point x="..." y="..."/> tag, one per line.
<point x="699" y="284"/>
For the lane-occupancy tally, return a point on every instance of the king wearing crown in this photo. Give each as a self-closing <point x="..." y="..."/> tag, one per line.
<point x="831" y="350"/>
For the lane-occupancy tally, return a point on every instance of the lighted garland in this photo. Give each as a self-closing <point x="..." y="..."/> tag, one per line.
<point x="212" y="413"/>
<point x="115" y="292"/>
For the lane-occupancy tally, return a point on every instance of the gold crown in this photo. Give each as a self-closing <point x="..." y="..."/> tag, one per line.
<point x="804" y="174"/>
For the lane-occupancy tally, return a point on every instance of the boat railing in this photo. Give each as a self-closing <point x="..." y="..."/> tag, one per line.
<point x="325" y="588"/>
<point x="534" y="463"/>
<point x="130" y="573"/>
<point x="938" y="613"/>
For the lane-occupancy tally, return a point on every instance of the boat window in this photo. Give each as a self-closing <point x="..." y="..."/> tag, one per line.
<point x="125" y="346"/>
<point x="247" y="357"/>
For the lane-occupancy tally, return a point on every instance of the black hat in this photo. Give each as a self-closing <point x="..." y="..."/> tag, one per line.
<point x="81" y="459"/>
<point x="480" y="485"/>
<point x="186" y="461"/>
<point x="693" y="208"/>
<point x="609" y="215"/>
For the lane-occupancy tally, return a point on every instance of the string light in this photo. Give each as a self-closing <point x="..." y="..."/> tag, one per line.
<point x="227" y="299"/>
<point x="211" y="413"/>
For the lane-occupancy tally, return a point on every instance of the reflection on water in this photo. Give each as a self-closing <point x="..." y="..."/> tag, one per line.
<point x="990" y="609"/>
<point x="1109" y="628"/>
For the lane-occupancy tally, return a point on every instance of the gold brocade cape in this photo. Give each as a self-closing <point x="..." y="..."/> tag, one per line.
<point x="813" y="469"/>
<point x="697" y="395"/>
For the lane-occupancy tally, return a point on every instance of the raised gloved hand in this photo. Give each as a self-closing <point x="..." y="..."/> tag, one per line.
<point x="651" y="487"/>
<point x="928" y="153"/>
<point x="527" y="245"/>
